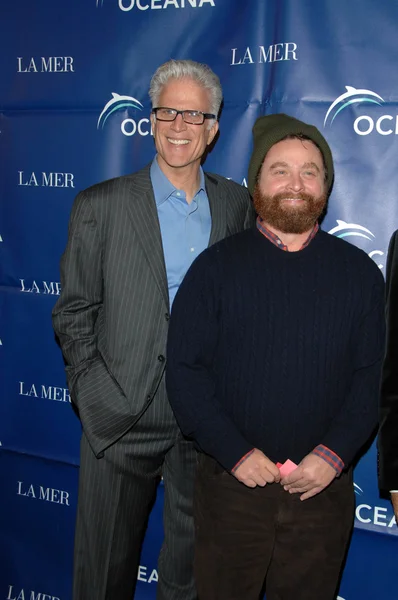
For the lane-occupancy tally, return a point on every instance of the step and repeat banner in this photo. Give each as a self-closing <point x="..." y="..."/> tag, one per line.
<point x="74" y="110"/>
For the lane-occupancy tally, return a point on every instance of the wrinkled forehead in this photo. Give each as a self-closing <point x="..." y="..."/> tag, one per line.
<point x="295" y="151"/>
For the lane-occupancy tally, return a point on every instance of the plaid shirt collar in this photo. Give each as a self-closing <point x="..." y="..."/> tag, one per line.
<point x="272" y="237"/>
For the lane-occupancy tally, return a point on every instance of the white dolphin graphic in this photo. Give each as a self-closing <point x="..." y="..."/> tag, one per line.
<point x="117" y="99"/>
<point x="350" y="93"/>
<point x="342" y="225"/>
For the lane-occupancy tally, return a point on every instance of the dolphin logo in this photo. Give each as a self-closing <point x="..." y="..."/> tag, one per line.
<point x="343" y="230"/>
<point x="118" y="102"/>
<point x="358" y="490"/>
<point x="352" y="96"/>
<point x="353" y="230"/>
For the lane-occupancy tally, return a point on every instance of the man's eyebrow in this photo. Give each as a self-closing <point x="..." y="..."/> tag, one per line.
<point x="311" y="165"/>
<point x="307" y="165"/>
<point x="278" y="164"/>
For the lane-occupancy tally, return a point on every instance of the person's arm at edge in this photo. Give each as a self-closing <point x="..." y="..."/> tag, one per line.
<point x="388" y="410"/>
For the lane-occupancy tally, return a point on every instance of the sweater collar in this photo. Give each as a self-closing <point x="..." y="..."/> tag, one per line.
<point x="272" y="237"/>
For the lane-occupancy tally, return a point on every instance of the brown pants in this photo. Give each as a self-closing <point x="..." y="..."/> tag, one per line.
<point x="248" y="536"/>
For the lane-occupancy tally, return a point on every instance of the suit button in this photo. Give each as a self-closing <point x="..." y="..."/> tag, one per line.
<point x="161" y="358"/>
<point x="100" y="454"/>
<point x="167" y="316"/>
<point x="149" y="397"/>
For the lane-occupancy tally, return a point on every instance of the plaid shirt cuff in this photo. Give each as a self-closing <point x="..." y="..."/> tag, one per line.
<point x="331" y="458"/>
<point x="238" y="464"/>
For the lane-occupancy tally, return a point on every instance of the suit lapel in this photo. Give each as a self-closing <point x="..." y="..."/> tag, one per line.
<point x="144" y="217"/>
<point x="218" y="210"/>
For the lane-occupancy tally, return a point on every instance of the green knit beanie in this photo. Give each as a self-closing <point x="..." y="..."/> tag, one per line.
<point x="270" y="129"/>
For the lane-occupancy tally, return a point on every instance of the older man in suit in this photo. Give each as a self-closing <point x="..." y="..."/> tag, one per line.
<point x="131" y="241"/>
<point x="388" y="432"/>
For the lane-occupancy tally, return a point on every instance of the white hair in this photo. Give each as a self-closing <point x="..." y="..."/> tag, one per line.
<point x="187" y="69"/>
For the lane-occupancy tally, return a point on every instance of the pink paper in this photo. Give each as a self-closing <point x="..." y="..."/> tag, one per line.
<point x="287" y="467"/>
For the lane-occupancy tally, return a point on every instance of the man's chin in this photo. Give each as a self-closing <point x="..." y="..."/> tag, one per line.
<point x="295" y="229"/>
<point x="296" y="222"/>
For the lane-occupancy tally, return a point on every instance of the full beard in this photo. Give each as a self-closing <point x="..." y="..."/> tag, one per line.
<point x="289" y="219"/>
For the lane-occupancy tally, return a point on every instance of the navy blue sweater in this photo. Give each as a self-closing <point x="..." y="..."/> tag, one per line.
<point x="277" y="350"/>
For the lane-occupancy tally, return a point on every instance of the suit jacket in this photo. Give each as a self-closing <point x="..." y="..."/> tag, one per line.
<point x="112" y="315"/>
<point x="388" y="432"/>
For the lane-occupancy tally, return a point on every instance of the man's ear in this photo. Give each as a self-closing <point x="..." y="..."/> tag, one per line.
<point x="212" y="132"/>
<point x="153" y="122"/>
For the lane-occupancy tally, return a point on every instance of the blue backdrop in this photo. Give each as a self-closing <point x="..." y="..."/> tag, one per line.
<point x="74" y="110"/>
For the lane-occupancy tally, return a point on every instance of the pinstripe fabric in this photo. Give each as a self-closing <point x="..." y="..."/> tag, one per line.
<point x="112" y="320"/>
<point x="116" y="494"/>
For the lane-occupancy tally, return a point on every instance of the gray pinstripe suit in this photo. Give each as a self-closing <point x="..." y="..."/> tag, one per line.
<point x="111" y="320"/>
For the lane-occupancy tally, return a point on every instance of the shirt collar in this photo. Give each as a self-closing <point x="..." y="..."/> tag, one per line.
<point x="272" y="237"/>
<point x="163" y="188"/>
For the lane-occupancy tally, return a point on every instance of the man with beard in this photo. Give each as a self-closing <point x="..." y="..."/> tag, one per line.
<point x="274" y="355"/>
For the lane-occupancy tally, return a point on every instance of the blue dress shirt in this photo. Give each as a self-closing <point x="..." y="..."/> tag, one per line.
<point x="185" y="228"/>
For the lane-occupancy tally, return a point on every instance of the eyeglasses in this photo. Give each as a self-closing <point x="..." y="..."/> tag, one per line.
<point x="193" y="117"/>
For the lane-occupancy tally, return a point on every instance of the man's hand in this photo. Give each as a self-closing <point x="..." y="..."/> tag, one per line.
<point x="257" y="469"/>
<point x="312" y="475"/>
<point x="394" y="500"/>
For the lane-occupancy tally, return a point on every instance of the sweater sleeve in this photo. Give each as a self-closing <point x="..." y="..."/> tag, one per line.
<point x="192" y="345"/>
<point x="357" y="418"/>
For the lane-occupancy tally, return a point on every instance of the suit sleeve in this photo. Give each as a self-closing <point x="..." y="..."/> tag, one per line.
<point x="388" y="432"/>
<point x="191" y="388"/>
<point x="75" y="316"/>
<point x="357" y="418"/>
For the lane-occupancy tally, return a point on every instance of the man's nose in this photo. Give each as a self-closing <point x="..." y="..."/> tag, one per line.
<point x="295" y="182"/>
<point x="179" y="124"/>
